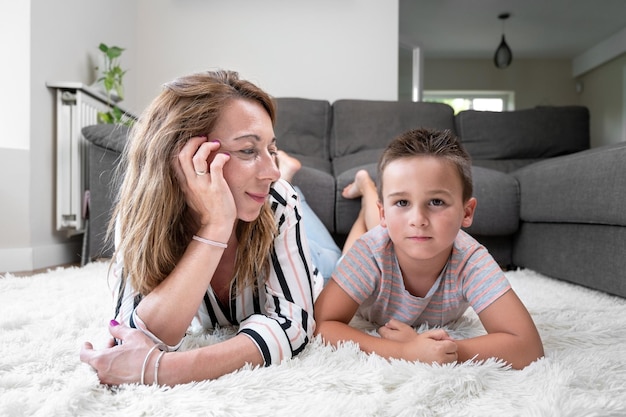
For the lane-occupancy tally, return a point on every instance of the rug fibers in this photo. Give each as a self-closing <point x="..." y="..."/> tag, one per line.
<point x="45" y="319"/>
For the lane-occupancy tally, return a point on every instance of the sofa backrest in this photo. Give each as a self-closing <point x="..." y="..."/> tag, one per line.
<point x="540" y="132"/>
<point x="303" y="126"/>
<point x="366" y="126"/>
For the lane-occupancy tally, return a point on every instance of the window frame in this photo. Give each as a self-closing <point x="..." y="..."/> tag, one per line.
<point x="507" y="97"/>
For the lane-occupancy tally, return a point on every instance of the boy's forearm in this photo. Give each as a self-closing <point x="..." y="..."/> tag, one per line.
<point x="513" y="349"/>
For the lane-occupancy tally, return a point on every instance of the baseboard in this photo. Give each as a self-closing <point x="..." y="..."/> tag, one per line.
<point x="39" y="257"/>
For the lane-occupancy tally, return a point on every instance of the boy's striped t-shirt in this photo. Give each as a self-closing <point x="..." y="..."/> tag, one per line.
<point x="371" y="276"/>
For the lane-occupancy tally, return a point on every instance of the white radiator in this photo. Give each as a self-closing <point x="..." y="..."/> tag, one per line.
<point x="77" y="106"/>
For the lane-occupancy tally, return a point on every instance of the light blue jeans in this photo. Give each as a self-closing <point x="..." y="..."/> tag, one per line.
<point x="324" y="251"/>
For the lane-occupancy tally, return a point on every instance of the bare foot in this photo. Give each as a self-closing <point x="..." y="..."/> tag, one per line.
<point x="362" y="182"/>
<point x="287" y="165"/>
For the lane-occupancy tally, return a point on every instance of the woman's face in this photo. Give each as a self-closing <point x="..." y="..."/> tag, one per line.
<point x="245" y="131"/>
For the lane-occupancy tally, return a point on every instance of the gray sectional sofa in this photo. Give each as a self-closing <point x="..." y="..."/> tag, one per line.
<point x="545" y="200"/>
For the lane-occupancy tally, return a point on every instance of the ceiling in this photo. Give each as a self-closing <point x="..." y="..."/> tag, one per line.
<point x="536" y="29"/>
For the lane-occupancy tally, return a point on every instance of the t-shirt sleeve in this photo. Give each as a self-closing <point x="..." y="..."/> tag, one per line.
<point x="483" y="279"/>
<point x="358" y="273"/>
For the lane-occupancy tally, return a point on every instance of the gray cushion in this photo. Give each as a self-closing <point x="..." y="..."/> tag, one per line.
<point x="303" y="128"/>
<point x="108" y="136"/>
<point x="540" y="132"/>
<point x="497" y="193"/>
<point x="360" y="125"/>
<point x="587" y="187"/>
<point x="347" y="210"/>
<point x="318" y="188"/>
<point x="505" y="165"/>
<point x="345" y="163"/>
<point x="498" y="203"/>
<point x="500" y="247"/>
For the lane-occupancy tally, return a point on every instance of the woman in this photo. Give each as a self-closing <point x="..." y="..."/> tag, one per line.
<point x="206" y="230"/>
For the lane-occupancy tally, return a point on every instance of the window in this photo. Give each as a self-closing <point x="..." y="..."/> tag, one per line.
<point x="473" y="100"/>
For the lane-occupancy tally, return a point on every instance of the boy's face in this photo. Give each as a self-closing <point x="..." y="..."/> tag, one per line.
<point x="423" y="207"/>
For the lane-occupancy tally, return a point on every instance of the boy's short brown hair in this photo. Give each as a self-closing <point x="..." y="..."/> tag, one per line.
<point x="434" y="143"/>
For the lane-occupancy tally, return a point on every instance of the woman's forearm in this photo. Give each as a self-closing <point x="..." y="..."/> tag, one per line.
<point x="168" y="310"/>
<point x="205" y="363"/>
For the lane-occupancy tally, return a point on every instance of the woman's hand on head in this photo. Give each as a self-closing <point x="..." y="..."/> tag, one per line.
<point x="119" y="364"/>
<point x="200" y="175"/>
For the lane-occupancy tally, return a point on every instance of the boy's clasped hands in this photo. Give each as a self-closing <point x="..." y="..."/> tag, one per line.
<point x="430" y="346"/>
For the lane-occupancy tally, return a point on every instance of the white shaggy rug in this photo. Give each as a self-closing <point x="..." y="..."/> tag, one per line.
<point x="45" y="318"/>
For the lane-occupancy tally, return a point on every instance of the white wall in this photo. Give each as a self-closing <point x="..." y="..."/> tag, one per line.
<point x="49" y="41"/>
<point x="604" y="93"/>
<point x="15" y="39"/>
<point x="15" y="130"/>
<point x="536" y="82"/>
<point x="324" y="49"/>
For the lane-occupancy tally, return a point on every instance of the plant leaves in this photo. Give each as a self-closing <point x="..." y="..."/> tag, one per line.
<point x="114" y="52"/>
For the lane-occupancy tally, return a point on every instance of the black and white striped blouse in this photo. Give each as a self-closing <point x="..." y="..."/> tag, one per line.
<point x="278" y="317"/>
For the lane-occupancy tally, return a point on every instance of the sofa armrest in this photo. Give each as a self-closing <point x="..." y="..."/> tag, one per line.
<point x="107" y="136"/>
<point x="585" y="187"/>
<point x="107" y="142"/>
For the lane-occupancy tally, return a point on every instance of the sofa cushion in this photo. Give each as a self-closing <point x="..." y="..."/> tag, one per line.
<point x="343" y="164"/>
<point x="540" y="132"/>
<point x="586" y="187"/>
<point x="347" y="210"/>
<point x="505" y="165"/>
<point x="318" y="188"/>
<point x="500" y="247"/>
<point x="108" y="136"/>
<point x="303" y="128"/>
<point x="366" y="125"/>
<point x="497" y="193"/>
<point x="498" y="203"/>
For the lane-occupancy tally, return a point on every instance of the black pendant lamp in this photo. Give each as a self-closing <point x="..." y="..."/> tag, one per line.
<point x="503" y="55"/>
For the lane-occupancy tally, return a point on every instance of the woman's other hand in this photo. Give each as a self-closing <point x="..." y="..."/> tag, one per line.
<point x="119" y="364"/>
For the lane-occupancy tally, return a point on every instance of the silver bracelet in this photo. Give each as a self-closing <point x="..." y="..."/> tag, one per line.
<point x="156" y="367"/>
<point x="210" y="242"/>
<point x="145" y="361"/>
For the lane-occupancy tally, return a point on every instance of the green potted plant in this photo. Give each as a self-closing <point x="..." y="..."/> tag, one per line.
<point x="112" y="76"/>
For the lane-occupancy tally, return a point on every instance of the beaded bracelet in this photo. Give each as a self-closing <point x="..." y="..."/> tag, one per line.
<point x="210" y="242"/>
<point x="156" y="367"/>
<point x="145" y="361"/>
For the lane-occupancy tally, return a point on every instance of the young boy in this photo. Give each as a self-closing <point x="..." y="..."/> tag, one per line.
<point x="418" y="266"/>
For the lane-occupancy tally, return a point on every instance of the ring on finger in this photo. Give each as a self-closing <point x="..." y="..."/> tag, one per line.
<point x="200" y="173"/>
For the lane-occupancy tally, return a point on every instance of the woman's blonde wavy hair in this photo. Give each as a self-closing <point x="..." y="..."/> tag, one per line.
<point x="154" y="221"/>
